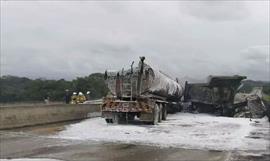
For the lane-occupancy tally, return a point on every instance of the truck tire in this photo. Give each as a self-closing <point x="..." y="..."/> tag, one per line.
<point x="155" y="115"/>
<point x="109" y="121"/>
<point x="131" y="117"/>
<point x="164" y="112"/>
<point x="227" y="111"/>
<point x="115" y="119"/>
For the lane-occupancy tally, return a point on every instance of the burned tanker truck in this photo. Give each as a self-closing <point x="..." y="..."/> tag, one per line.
<point x="141" y="93"/>
<point x="215" y="96"/>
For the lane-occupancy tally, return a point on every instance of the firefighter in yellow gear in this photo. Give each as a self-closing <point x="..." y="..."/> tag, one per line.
<point x="81" y="98"/>
<point x="74" y="98"/>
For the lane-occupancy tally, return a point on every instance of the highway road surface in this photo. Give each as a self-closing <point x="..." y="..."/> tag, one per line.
<point x="183" y="136"/>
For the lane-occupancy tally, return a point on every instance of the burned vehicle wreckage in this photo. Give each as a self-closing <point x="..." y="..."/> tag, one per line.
<point x="215" y="96"/>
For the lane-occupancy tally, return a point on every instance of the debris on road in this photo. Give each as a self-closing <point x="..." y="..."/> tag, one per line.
<point x="255" y="107"/>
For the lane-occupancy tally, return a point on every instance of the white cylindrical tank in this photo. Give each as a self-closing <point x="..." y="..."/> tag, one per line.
<point x="142" y="83"/>
<point x="158" y="83"/>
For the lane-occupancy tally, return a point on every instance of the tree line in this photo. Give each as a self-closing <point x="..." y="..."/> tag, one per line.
<point x="21" y="89"/>
<point x="248" y="86"/>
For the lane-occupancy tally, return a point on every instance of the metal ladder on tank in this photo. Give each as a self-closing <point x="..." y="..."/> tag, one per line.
<point x="127" y="89"/>
<point x="127" y="84"/>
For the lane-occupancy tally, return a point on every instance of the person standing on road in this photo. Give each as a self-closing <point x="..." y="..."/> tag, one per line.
<point x="74" y="98"/>
<point x="81" y="98"/>
<point x="88" y="95"/>
<point x="67" y="96"/>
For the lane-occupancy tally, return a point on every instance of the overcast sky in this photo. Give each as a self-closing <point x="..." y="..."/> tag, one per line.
<point x="184" y="39"/>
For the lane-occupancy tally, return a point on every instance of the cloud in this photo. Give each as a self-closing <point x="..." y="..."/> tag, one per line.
<point x="255" y="62"/>
<point x="257" y="53"/>
<point x="217" y="10"/>
<point x="71" y="39"/>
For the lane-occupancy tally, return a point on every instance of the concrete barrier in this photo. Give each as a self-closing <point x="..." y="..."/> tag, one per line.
<point x="20" y="116"/>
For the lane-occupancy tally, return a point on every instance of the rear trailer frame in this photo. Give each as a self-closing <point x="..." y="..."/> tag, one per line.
<point x="146" y="110"/>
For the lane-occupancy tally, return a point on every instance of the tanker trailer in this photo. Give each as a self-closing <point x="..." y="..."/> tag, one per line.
<point x="142" y="93"/>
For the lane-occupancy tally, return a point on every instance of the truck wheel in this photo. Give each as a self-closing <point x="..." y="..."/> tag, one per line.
<point x="164" y="113"/>
<point x="131" y="117"/>
<point x="155" y="115"/>
<point x="227" y="112"/>
<point x="115" y="119"/>
<point x="108" y="121"/>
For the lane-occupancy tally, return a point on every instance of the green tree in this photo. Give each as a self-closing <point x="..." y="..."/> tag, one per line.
<point x="20" y="89"/>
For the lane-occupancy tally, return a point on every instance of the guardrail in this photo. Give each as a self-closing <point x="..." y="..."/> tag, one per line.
<point x="20" y="116"/>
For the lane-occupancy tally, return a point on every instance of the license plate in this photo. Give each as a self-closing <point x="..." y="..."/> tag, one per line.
<point x="125" y="105"/>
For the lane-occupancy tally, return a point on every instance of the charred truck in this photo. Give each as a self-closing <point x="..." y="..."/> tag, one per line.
<point x="215" y="96"/>
<point x="142" y="93"/>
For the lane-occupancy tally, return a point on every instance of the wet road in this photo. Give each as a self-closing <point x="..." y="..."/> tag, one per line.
<point x="14" y="145"/>
<point x="36" y="142"/>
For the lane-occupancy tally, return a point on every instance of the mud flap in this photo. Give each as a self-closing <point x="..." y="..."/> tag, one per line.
<point x="156" y="115"/>
<point x="164" y="112"/>
<point x="160" y="112"/>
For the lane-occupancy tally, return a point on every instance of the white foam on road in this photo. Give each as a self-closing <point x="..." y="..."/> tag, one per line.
<point x="183" y="130"/>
